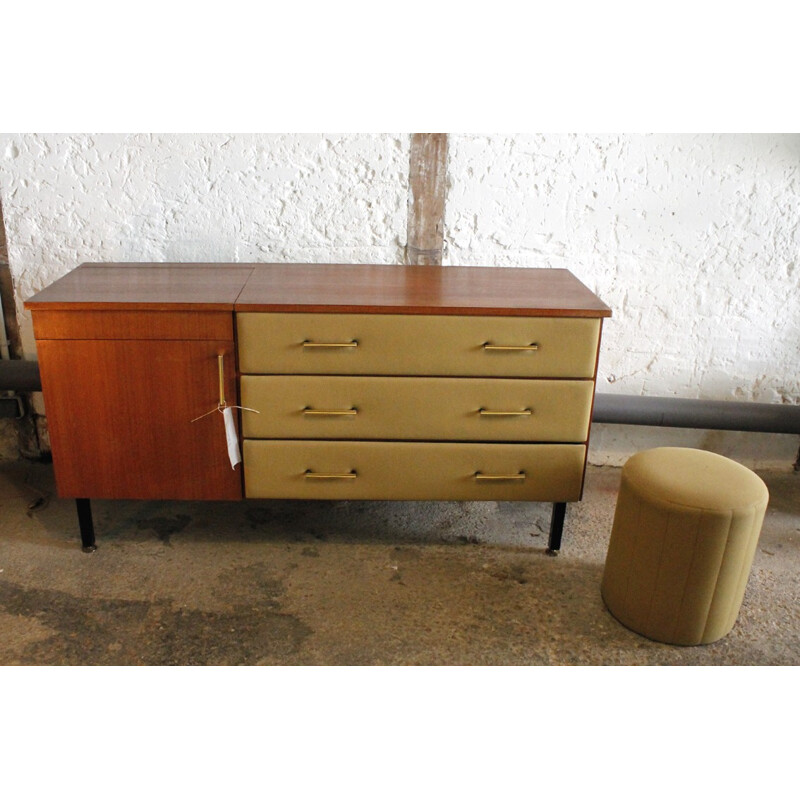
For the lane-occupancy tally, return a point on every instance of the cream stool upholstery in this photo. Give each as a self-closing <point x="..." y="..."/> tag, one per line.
<point x="685" y="532"/>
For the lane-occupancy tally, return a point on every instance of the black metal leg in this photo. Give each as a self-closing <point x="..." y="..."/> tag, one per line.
<point x="86" y="525"/>
<point x="556" y="528"/>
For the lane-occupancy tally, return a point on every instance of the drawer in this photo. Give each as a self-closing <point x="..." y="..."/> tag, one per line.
<point x="476" y="409"/>
<point x="413" y="470"/>
<point x="183" y="325"/>
<point x="408" y="344"/>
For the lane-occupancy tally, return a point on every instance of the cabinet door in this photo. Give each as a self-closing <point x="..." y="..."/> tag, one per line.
<point x="120" y="417"/>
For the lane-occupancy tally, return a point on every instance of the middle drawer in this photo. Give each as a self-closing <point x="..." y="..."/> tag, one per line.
<point x="444" y="409"/>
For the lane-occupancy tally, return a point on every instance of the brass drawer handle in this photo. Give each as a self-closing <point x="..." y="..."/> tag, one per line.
<point x="323" y="412"/>
<point x="331" y="476"/>
<point x="523" y="347"/>
<point x="309" y="343"/>
<point x="480" y="476"/>
<point x="526" y="412"/>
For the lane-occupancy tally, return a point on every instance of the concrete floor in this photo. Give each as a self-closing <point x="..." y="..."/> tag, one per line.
<point x="349" y="583"/>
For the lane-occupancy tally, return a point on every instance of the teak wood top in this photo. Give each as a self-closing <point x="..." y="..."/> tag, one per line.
<point x="325" y="288"/>
<point x="153" y="287"/>
<point x="354" y="288"/>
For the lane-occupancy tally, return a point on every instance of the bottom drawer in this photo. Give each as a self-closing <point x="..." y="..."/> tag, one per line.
<point x="330" y="470"/>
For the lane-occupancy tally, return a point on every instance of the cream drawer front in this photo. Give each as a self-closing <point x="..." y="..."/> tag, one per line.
<point x="413" y="471"/>
<point x="409" y="344"/>
<point x="342" y="407"/>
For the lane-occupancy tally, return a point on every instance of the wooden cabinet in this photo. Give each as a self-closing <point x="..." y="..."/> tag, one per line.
<point x="372" y="382"/>
<point x="128" y="357"/>
<point x="120" y="416"/>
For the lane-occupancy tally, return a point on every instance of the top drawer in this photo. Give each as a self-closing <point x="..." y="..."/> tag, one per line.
<point x="128" y="324"/>
<point x="408" y="344"/>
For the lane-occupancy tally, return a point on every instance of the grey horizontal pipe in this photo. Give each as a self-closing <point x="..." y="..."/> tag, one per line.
<point x="674" y="412"/>
<point x="17" y="375"/>
<point x="619" y="409"/>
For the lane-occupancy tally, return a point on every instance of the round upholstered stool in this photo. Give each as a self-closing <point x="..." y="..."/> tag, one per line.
<point x="685" y="532"/>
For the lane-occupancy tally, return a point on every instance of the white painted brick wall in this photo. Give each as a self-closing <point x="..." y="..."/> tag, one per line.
<point x="188" y="197"/>
<point x="693" y="240"/>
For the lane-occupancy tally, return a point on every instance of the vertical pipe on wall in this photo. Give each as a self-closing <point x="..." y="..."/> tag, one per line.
<point x="5" y="343"/>
<point x="28" y="440"/>
<point x="427" y="184"/>
<point x="5" y="353"/>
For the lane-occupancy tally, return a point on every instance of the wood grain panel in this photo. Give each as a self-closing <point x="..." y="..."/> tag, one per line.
<point x="120" y="418"/>
<point x="358" y="288"/>
<point x="384" y="289"/>
<point x="140" y="324"/>
<point x="158" y="286"/>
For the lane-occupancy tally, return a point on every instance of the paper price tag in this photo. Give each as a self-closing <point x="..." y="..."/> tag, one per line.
<point x="231" y="437"/>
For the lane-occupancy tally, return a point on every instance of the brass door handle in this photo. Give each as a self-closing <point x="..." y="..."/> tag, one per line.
<point x="221" y="368"/>
<point x="331" y="476"/>
<point x="484" y="412"/>
<point x="521" y="347"/>
<point x="323" y="412"/>
<point x="309" y="343"/>
<point x="480" y="476"/>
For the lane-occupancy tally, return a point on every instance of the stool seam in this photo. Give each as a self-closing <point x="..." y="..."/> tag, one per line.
<point x="648" y="617"/>
<point x="679" y="616"/>
<point x="716" y="580"/>
<point x="745" y="568"/>
<point x="631" y="559"/>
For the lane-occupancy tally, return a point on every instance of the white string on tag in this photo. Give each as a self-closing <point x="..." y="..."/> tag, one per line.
<point x="231" y="437"/>
<point x="221" y="408"/>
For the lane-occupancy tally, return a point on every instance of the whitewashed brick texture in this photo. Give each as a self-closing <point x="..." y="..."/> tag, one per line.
<point x="693" y="240"/>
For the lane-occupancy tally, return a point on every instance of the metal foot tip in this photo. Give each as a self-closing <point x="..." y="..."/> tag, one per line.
<point x="552" y="552"/>
<point x="89" y="548"/>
